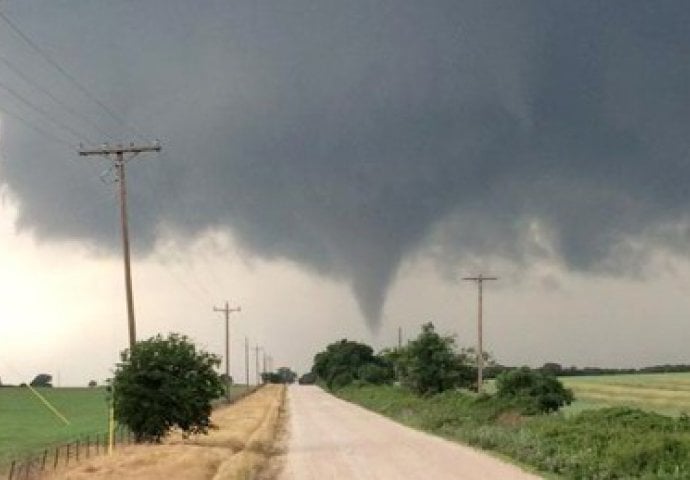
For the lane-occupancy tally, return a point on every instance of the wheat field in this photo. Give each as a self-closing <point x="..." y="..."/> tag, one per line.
<point x="667" y="393"/>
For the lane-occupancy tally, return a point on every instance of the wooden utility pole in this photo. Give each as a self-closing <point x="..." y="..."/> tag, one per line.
<point x="256" y="361"/>
<point x="399" y="337"/>
<point x="227" y="311"/>
<point x="119" y="162"/>
<point x="480" y="352"/>
<point x="246" y="361"/>
<point x="264" y="363"/>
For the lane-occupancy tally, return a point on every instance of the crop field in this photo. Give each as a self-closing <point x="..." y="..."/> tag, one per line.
<point x="666" y="393"/>
<point x="27" y="426"/>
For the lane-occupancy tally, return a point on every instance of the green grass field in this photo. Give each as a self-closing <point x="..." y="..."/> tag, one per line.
<point x="666" y="393"/>
<point x="27" y="426"/>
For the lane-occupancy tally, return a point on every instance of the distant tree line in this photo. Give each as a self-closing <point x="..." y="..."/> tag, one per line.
<point x="283" y="375"/>
<point x="573" y="371"/>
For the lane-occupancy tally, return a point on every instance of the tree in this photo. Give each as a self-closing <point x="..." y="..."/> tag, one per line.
<point x="375" y="373"/>
<point x="345" y="361"/>
<point x="539" y="392"/>
<point x="428" y="364"/>
<point x="226" y="380"/>
<point x="308" y="378"/>
<point x="286" y="375"/>
<point x="93" y="384"/>
<point x="164" y="383"/>
<point x="42" y="380"/>
<point x="552" y="368"/>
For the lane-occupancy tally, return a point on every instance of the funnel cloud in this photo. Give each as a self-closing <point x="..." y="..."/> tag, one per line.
<point x="346" y="136"/>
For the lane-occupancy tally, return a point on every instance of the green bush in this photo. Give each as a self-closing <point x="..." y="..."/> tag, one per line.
<point x="429" y="365"/>
<point x="341" y="380"/>
<point x="164" y="383"/>
<point x="375" y="374"/>
<point x="537" y="391"/>
<point x="346" y="361"/>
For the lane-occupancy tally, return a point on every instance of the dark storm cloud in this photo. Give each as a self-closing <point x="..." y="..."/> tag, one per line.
<point x="341" y="134"/>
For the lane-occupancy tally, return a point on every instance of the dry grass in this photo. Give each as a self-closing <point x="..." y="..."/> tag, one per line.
<point x="238" y="449"/>
<point x="666" y="393"/>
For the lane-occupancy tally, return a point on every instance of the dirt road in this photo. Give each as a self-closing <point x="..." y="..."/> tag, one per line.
<point x="334" y="440"/>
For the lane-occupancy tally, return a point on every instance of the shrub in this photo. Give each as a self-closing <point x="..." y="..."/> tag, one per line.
<point x="540" y="392"/>
<point x="308" y="378"/>
<point x="341" y="380"/>
<point x="345" y="361"/>
<point x="164" y="383"/>
<point x="429" y="365"/>
<point x="375" y="374"/>
<point x="42" y="380"/>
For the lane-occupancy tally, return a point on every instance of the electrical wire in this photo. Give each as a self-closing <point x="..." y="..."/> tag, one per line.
<point x="71" y="78"/>
<point x="76" y="114"/>
<point x="37" y="129"/>
<point x="43" y="112"/>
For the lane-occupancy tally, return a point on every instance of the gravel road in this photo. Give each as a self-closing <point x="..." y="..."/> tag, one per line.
<point x="330" y="439"/>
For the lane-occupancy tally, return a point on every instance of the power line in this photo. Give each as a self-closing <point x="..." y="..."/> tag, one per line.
<point x="67" y="75"/>
<point x="41" y="111"/>
<point x="75" y="113"/>
<point x="207" y="290"/>
<point x="36" y="128"/>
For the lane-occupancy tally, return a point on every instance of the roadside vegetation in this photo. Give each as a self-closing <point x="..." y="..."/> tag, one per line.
<point x="238" y="446"/>
<point x="609" y="443"/>
<point x="429" y="385"/>
<point x="164" y="383"/>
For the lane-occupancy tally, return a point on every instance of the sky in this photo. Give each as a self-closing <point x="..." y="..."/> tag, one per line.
<point x="336" y="168"/>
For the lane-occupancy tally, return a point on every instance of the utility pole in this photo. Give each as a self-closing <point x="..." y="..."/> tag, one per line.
<point x="480" y="352"/>
<point x="256" y="363"/>
<point x="399" y="337"/>
<point x="119" y="162"/>
<point x="264" y="364"/>
<point x="246" y="361"/>
<point x="227" y="311"/>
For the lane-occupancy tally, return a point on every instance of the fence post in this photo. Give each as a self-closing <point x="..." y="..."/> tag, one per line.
<point x="43" y="461"/>
<point x="98" y="445"/>
<point x="77" y="450"/>
<point x="57" y="457"/>
<point x="12" y="469"/>
<point x="67" y="458"/>
<point x="88" y="446"/>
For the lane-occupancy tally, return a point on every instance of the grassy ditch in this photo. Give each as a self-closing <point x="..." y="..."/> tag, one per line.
<point x="608" y="443"/>
<point x="238" y="447"/>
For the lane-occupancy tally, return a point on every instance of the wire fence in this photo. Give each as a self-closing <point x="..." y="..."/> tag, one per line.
<point x="34" y="466"/>
<point x="49" y="459"/>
